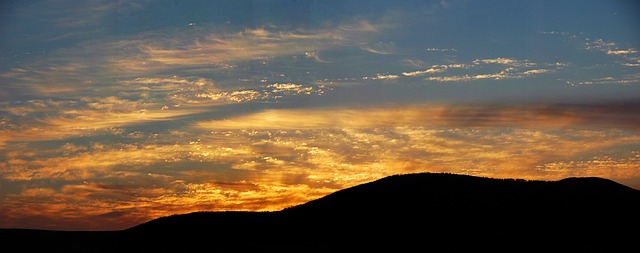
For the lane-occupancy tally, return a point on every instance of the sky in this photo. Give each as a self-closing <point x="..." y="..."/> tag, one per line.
<point x="113" y="113"/>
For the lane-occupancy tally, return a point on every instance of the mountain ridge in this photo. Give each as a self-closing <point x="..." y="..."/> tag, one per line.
<point x="438" y="211"/>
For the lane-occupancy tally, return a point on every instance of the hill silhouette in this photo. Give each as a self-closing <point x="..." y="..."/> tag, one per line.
<point x="424" y="212"/>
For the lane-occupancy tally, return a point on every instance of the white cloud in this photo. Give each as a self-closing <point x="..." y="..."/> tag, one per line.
<point x="441" y="50"/>
<point x="383" y="77"/>
<point x="422" y="72"/>
<point x="536" y="71"/>
<point x="622" y="51"/>
<point x="435" y="69"/>
<point x="505" y="61"/>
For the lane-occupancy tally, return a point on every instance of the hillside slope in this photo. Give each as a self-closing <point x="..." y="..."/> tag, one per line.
<point x="424" y="212"/>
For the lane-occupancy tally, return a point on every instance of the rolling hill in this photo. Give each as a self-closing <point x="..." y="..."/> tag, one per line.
<point x="424" y="212"/>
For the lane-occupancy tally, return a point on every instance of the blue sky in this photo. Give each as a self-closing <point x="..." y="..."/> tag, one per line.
<point x="114" y="113"/>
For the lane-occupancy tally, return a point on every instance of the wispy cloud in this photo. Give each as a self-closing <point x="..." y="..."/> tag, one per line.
<point x="507" y="68"/>
<point x="625" y="80"/>
<point x="100" y="65"/>
<point x="611" y="54"/>
<point x="215" y="49"/>
<point x="434" y="69"/>
<point x="432" y="49"/>
<point x="622" y="51"/>
<point x="88" y="116"/>
<point x="63" y="20"/>
<point x="593" y="165"/>
<point x="380" y="48"/>
<point x="555" y="116"/>
<point x="630" y="55"/>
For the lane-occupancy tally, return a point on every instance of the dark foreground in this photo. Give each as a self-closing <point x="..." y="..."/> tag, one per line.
<point x="426" y="212"/>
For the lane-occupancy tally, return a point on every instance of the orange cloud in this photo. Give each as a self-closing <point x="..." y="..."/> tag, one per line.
<point x="536" y="116"/>
<point x="277" y="158"/>
<point x="79" y="122"/>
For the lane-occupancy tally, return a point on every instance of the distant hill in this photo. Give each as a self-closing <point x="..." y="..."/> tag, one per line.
<point x="424" y="212"/>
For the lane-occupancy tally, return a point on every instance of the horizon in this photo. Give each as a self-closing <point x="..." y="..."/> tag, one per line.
<point x="116" y="113"/>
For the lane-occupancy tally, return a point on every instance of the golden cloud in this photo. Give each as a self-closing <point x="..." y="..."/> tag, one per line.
<point x="533" y="116"/>
<point x="79" y="122"/>
<point x="273" y="159"/>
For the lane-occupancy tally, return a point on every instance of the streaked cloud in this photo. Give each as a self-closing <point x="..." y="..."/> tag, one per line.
<point x="216" y="49"/>
<point x="434" y="69"/>
<point x="543" y="116"/>
<point x="86" y="117"/>
<point x="380" y="48"/>
<point x="510" y="69"/>
<point x="625" y="165"/>
<point x="611" y="81"/>
<point x="503" y="61"/>
<point x="384" y="77"/>
<point x="536" y="71"/>
<point x="622" y="51"/>
<point x="93" y="65"/>
<point x="441" y="49"/>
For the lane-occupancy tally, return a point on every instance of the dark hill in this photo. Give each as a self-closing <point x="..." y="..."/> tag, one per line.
<point x="425" y="212"/>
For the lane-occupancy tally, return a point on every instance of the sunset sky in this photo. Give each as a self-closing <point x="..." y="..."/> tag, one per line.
<point x="113" y="113"/>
